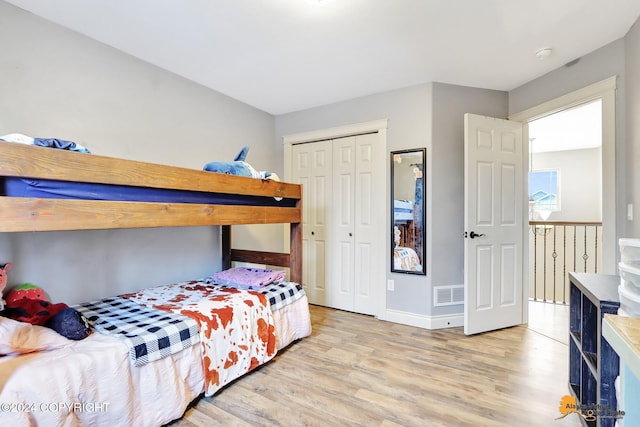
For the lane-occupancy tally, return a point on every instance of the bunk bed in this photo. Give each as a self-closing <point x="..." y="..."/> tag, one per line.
<point x="91" y="382"/>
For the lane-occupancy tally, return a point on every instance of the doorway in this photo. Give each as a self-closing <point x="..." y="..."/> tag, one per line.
<point x="565" y="199"/>
<point x="604" y="91"/>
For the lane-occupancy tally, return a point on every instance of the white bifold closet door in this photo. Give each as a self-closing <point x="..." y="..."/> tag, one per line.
<point x="343" y="214"/>
<point x="312" y="167"/>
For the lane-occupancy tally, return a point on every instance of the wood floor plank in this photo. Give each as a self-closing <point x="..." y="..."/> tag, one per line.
<point x="355" y="370"/>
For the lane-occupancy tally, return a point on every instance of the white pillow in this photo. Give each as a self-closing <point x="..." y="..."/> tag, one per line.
<point x="21" y="337"/>
<point x="17" y="137"/>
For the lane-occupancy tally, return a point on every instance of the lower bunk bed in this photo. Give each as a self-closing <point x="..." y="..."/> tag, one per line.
<point x="197" y="338"/>
<point x="109" y="380"/>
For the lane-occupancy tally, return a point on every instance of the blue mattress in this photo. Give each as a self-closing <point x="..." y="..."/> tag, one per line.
<point x="51" y="189"/>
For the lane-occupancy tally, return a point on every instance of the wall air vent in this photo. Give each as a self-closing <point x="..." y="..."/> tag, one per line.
<point x="448" y="295"/>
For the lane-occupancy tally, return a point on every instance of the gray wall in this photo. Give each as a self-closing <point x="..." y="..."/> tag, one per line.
<point x="450" y="103"/>
<point x="632" y="177"/>
<point x="580" y="184"/>
<point x="409" y="126"/>
<point x="596" y="66"/>
<point x="430" y="116"/>
<point x="57" y="83"/>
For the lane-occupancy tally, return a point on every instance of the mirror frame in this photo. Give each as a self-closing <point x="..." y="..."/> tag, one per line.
<point x="421" y="252"/>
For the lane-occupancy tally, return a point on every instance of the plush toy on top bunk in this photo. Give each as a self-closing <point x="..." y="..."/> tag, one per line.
<point x="45" y="142"/>
<point x="239" y="167"/>
<point x="28" y="303"/>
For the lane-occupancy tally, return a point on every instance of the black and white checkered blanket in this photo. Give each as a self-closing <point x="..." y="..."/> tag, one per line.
<point x="278" y="294"/>
<point x="281" y="294"/>
<point x="150" y="334"/>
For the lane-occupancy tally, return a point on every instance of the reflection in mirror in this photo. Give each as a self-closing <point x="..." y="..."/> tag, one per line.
<point x="408" y="216"/>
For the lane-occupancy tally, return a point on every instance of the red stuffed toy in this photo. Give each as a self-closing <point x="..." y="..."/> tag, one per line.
<point x="28" y="303"/>
<point x="3" y="281"/>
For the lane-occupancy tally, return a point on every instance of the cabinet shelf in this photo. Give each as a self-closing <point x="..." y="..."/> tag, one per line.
<point x="592" y="361"/>
<point x="575" y="390"/>
<point x="577" y="338"/>
<point x="593" y="365"/>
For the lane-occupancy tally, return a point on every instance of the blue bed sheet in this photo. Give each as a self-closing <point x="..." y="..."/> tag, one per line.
<point x="51" y="189"/>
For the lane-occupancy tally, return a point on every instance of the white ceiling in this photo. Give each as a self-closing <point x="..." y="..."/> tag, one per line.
<point x="287" y="55"/>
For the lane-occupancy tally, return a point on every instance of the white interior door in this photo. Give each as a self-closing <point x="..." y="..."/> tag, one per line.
<point x="494" y="215"/>
<point x="358" y="217"/>
<point x="370" y="219"/>
<point x="312" y="169"/>
<point x="343" y="239"/>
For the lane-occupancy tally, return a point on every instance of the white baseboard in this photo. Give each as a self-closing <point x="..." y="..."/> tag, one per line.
<point x="426" y="322"/>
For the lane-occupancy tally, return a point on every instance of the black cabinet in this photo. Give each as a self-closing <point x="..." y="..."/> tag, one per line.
<point x="593" y="365"/>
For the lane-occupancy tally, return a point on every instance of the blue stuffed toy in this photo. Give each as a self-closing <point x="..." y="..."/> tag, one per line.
<point x="238" y="167"/>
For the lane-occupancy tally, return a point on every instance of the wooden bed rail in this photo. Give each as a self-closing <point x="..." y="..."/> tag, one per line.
<point x="18" y="214"/>
<point x="29" y="161"/>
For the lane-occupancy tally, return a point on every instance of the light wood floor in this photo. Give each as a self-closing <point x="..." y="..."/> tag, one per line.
<point x="358" y="371"/>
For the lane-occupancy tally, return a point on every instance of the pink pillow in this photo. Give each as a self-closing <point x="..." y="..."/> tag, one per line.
<point x="19" y="337"/>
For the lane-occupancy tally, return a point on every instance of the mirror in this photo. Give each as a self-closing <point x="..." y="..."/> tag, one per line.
<point x="407" y="211"/>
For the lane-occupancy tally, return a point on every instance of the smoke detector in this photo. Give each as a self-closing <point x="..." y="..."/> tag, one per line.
<point x="544" y="52"/>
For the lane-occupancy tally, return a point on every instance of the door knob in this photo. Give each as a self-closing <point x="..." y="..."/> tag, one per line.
<point x="473" y="235"/>
<point x="313" y="233"/>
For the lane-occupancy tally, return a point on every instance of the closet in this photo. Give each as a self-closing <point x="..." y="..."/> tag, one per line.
<point x="344" y="232"/>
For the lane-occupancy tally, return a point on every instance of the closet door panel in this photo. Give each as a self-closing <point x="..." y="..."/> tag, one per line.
<point x="312" y="168"/>
<point x="308" y="269"/>
<point x="365" y="281"/>
<point x="318" y="263"/>
<point x="343" y="211"/>
<point x="369" y="222"/>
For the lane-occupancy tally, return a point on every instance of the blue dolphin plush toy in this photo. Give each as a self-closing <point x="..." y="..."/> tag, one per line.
<point x="237" y="167"/>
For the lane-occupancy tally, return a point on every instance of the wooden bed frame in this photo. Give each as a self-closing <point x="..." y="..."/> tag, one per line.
<point x="19" y="214"/>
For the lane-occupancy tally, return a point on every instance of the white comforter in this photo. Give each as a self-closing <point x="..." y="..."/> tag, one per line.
<point x="92" y="383"/>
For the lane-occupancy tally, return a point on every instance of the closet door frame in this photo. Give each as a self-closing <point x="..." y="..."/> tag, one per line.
<point x="377" y="126"/>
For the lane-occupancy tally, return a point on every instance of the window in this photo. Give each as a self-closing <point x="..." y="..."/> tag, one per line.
<point x="543" y="190"/>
